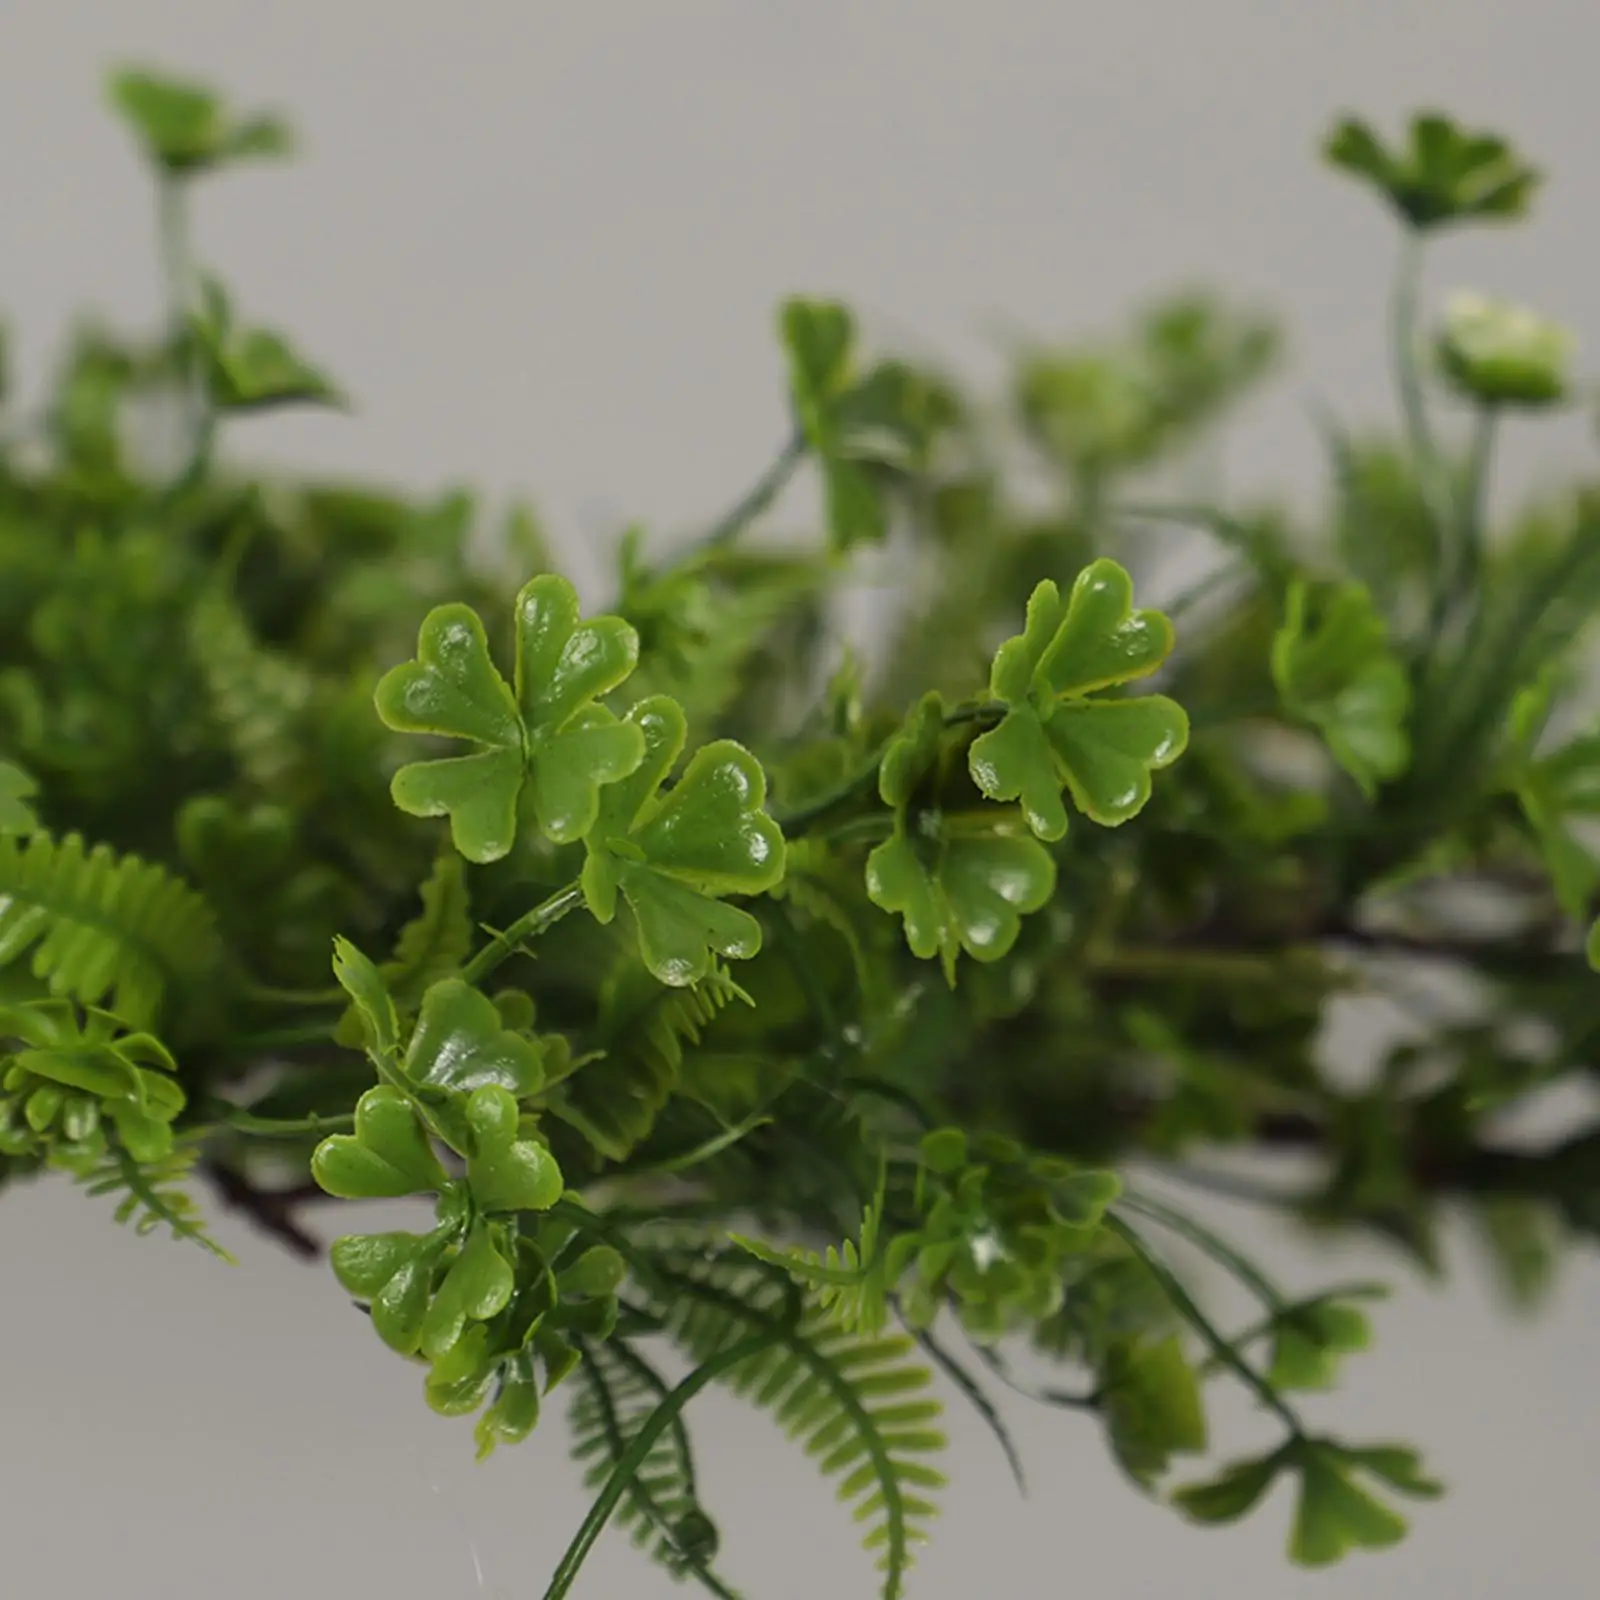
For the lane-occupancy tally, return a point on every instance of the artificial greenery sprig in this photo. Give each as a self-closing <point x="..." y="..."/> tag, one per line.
<point x="822" y="1022"/>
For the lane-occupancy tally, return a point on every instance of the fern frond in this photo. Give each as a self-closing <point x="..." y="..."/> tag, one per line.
<point x="101" y="924"/>
<point x="258" y="696"/>
<point x="153" y="1195"/>
<point x="615" y="1098"/>
<point x="617" y="1392"/>
<point x="849" y="1280"/>
<point x="854" y="1402"/>
<point x="435" y="943"/>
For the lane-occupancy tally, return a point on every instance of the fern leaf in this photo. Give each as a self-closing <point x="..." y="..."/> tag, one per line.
<point x="101" y="924"/>
<point x="617" y="1393"/>
<point x="850" y="1281"/>
<point x="615" y="1098"/>
<point x="258" y="697"/>
<point x="153" y="1195"/>
<point x="853" y="1402"/>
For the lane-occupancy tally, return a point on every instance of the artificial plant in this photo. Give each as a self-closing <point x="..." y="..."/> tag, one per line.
<point x="878" y="985"/>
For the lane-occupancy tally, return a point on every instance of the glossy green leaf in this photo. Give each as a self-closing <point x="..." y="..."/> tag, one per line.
<point x="1333" y="668"/>
<point x="17" y="817"/>
<point x="547" y="731"/>
<point x="674" y="854"/>
<point x="476" y="1286"/>
<point x="460" y="1045"/>
<point x="954" y="890"/>
<point x="369" y="993"/>
<point x="505" y="1171"/>
<point x="387" y="1155"/>
<point x="393" y="1273"/>
<point x="1444" y="175"/>
<point x="1101" y="751"/>
<point x="514" y="1412"/>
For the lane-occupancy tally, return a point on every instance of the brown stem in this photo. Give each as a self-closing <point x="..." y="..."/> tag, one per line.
<point x="270" y="1210"/>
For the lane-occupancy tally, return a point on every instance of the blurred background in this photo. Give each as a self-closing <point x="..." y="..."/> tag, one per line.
<point x="541" y="247"/>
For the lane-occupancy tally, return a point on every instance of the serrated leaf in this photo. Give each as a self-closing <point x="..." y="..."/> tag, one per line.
<point x="17" y="817"/>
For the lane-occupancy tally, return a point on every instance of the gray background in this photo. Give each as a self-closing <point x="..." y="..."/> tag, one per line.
<point x="541" y="245"/>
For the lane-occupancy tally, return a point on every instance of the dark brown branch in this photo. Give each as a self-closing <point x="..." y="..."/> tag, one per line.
<point x="270" y="1210"/>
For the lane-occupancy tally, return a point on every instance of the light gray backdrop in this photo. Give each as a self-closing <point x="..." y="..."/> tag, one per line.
<point x="541" y="245"/>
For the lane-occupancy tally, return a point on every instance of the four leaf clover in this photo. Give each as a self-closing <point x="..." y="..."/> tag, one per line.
<point x="1102" y="751"/>
<point x="674" y="855"/>
<point x="545" y="731"/>
<point x="957" y="884"/>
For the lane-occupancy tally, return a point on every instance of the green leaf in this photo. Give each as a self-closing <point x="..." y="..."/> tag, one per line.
<point x="1101" y="751"/>
<point x="1311" y="1337"/>
<point x="17" y="817"/>
<point x="514" y="1412"/>
<point x="368" y="991"/>
<point x="393" y="1273"/>
<point x="1334" y="1515"/>
<point x="1233" y="1494"/>
<point x="388" y="1154"/>
<point x="504" y="1171"/>
<point x="547" y="732"/>
<point x="452" y="689"/>
<point x="674" y="855"/>
<point x="476" y="1287"/>
<point x="1152" y="1406"/>
<point x="818" y="338"/>
<point x="1333" y="668"/>
<point x="185" y="129"/>
<point x="460" y="1045"/>
<point x="1445" y="175"/>
<point x="954" y="890"/>
<point x="253" y="369"/>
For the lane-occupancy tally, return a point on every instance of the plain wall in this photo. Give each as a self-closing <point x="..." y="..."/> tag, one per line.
<point x="541" y="245"/>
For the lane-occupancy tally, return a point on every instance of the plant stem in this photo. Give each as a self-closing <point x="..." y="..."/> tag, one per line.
<point x="1474" y="503"/>
<point x="528" y="926"/>
<point x="1212" y="1244"/>
<point x="287" y="1127"/>
<point x="1184" y="1304"/>
<point x="629" y="1464"/>
<point x="195" y="419"/>
<point x="761" y="495"/>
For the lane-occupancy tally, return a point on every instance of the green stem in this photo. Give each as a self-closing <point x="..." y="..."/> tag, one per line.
<point x="288" y="1127"/>
<point x="270" y="994"/>
<point x="1474" y="502"/>
<point x="1221" y="966"/>
<point x="198" y="424"/>
<point x="280" y="1038"/>
<point x="1212" y="1244"/>
<point x="530" y="925"/>
<point x="629" y="1464"/>
<point x="1184" y="1304"/>
<point x="765" y="490"/>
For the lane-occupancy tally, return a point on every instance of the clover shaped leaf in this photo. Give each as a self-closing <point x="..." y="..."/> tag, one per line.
<point x="393" y="1273"/>
<point x="956" y="885"/>
<point x="476" y="1286"/>
<point x="1446" y="174"/>
<point x="1310" y="1337"/>
<point x="461" y="1044"/>
<point x="506" y="1171"/>
<point x="388" y="1155"/>
<point x="1053" y="737"/>
<point x="674" y="855"/>
<point x="1334" y="669"/>
<point x="1334" y="1514"/>
<point x="545" y="733"/>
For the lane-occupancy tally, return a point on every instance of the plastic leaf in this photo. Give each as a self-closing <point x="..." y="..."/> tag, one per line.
<point x="1152" y="1406"/>
<point x="1101" y="751"/>
<point x="476" y="1286"/>
<point x="388" y="1154"/>
<point x="674" y="854"/>
<point x="254" y="369"/>
<point x="504" y="1171"/>
<point x="460" y="1045"/>
<point x="1234" y="1493"/>
<point x="1333" y="668"/>
<point x="186" y="129"/>
<point x="514" y="1412"/>
<point x="953" y="890"/>
<point x="365" y="985"/>
<point x="1446" y="174"/>
<point x="547" y="732"/>
<point x="1334" y="1515"/>
<point x="393" y="1273"/>
<point x="1309" y="1339"/>
<point x="16" y="815"/>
